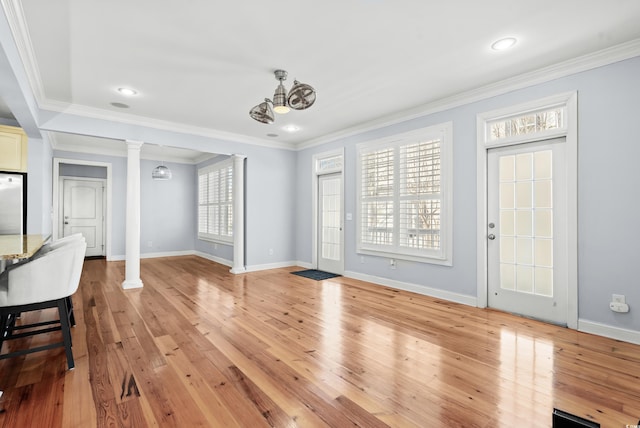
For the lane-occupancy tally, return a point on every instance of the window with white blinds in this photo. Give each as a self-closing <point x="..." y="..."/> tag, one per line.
<point x="215" y="202"/>
<point x="404" y="196"/>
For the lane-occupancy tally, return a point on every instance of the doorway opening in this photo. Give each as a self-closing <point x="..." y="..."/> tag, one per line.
<point x="82" y="203"/>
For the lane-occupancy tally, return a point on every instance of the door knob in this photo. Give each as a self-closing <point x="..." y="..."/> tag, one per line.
<point x="491" y="236"/>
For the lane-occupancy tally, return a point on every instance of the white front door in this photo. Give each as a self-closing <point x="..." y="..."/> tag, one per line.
<point x="83" y="212"/>
<point x="330" y="234"/>
<point x="526" y="230"/>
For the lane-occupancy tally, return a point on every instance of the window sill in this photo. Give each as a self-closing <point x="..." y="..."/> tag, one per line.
<point x="216" y="240"/>
<point x="400" y="256"/>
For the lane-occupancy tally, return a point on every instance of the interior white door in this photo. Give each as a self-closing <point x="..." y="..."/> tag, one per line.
<point x="527" y="241"/>
<point x="83" y="212"/>
<point x="330" y="234"/>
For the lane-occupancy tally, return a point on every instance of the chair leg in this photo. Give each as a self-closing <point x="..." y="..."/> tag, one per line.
<point x="66" y="331"/>
<point x="4" y="321"/>
<point x="72" y="317"/>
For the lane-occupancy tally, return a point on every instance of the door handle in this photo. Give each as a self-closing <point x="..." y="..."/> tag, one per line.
<point x="491" y="236"/>
<point x="66" y="222"/>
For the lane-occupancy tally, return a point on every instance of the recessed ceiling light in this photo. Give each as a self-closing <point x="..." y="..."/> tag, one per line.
<point x="128" y="91"/>
<point x="291" y="128"/>
<point x="503" y="44"/>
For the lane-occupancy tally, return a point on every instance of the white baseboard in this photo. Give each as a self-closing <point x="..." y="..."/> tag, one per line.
<point x="167" y="254"/>
<point x="220" y="260"/>
<point x="415" y="288"/>
<point x="304" y="265"/>
<point x="256" y="268"/>
<point x="631" y="336"/>
<point x="174" y="254"/>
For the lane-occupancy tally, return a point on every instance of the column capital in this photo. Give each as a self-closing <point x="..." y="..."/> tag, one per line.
<point x="133" y="144"/>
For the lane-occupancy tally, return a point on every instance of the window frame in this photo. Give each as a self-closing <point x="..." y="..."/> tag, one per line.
<point x="441" y="256"/>
<point x="209" y="169"/>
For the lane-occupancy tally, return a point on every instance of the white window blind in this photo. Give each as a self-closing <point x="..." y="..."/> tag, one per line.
<point x="404" y="202"/>
<point x="215" y="202"/>
<point x="420" y="196"/>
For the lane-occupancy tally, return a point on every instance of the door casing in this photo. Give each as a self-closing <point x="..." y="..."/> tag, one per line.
<point x="316" y="173"/>
<point x="56" y="231"/>
<point x="333" y="266"/>
<point x="570" y="132"/>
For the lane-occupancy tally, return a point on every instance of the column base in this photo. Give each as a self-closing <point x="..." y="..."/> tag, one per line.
<point x="131" y="283"/>
<point x="237" y="270"/>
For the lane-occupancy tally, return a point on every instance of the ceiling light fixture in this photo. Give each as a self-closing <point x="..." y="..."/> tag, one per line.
<point x="300" y="97"/>
<point x="504" y="44"/>
<point x="161" y="172"/>
<point x="291" y="128"/>
<point x="128" y="91"/>
<point x="263" y="112"/>
<point x="280" y="96"/>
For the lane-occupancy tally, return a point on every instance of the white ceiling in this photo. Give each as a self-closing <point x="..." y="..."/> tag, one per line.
<point x="201" y="65"/>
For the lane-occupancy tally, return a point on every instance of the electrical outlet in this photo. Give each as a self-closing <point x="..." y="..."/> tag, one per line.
<point x="618" y="298"/>
<point x="361" y="259"/>
<point x="392" y="263"/>
<point x="150" y="244"/>
<point x="619" y="307"/>
<point x="271" y="251"/>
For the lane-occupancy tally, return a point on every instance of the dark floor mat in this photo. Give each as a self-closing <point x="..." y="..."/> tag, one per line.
<point x="318" y="275"/>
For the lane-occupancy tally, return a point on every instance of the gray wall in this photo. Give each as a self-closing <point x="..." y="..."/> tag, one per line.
<point x="39" y="187"/>
<point x="608" y="175"/>
<point x="167" y="209"/>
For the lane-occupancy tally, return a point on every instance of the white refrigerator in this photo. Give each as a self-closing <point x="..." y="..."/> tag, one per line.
<point x="13" y="203"/>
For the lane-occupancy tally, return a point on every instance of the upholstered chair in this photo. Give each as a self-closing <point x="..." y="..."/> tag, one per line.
<point x="46" y="281"/>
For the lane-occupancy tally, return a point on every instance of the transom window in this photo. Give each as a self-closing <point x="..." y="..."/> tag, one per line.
<point x="215" y="202"/>
<point x="404" y="196"/>
<point x="532" y="122"/>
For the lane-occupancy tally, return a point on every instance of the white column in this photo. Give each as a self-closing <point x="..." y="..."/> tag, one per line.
<point x="238" y="215"/>
<point x="132" y="266"/>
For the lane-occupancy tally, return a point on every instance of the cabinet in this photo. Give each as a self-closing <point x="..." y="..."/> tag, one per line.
<point x="13" y="149"/>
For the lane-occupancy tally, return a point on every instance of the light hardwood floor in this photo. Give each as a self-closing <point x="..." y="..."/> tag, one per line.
<point x="198" y="346"/>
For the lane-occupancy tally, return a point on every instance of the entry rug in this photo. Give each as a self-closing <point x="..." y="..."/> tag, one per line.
<point x="318" y="275"/>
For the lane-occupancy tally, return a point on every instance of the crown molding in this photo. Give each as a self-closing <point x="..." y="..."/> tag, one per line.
<point x="164" y="125"/>
<point x="18" y="25"/>
<point x="576" y="65"/>
<point x="120" y="150"/>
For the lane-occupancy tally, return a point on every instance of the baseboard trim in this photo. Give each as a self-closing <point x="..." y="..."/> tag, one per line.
<point x="625" y="335"/>
<point x="414" y="288"/>
<point x="305" y="265"/>
<point x="256" y="268"/>
<point x="213" y="258"/>
<point x="167" y="254"/>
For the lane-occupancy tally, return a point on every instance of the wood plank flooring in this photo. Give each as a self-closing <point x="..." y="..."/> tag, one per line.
<point x="199" y="347"/>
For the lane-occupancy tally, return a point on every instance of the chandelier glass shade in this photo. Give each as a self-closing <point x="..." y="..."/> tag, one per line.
<point x="161" y="172"/>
